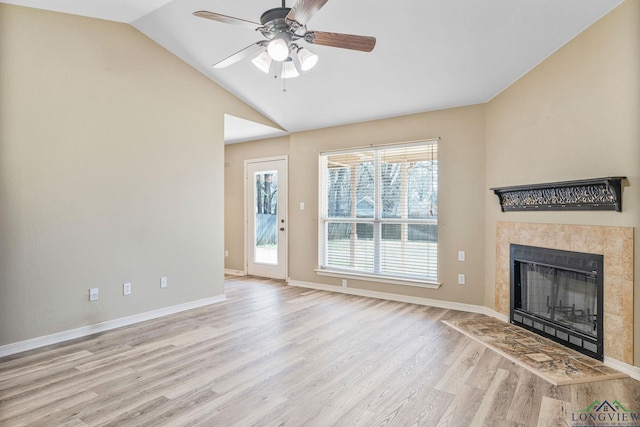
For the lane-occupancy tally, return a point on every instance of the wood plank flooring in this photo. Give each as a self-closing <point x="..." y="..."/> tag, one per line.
<point x="276" y="355"/>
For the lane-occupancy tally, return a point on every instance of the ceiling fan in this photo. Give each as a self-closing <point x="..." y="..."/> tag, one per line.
<point x="283" y="28"/>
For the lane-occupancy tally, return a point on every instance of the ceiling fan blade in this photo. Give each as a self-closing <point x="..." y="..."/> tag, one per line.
<point x="226" y="19"/>
<point x="240" y="55"/>
<point x="303" y="10"/>
<point x="345" y="41"/>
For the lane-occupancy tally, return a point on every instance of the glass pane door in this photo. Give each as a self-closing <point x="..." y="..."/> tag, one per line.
<point x="265" y="239"/>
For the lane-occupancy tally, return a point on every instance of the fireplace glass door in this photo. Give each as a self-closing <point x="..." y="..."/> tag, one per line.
<point x="568" y="298"/>
<point x="558" y="294"/>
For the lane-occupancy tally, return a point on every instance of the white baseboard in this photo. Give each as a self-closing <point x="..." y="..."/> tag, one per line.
<point x="470" y="308"/>
<point x="491" y="312"/>
<point x="234" y="272"/>
<point x="84" y="331"/>
<point x="632" y="371"/>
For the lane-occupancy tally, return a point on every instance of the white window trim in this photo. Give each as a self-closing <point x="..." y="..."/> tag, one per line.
<point x="332" y="272"/>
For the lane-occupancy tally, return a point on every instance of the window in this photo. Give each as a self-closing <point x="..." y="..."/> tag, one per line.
<point x="378" y="213"/>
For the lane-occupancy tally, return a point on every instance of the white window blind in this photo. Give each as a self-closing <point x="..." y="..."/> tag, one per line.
<point x="379" y="211"/>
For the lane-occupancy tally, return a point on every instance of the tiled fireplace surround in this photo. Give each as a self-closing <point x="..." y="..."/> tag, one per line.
<point x="615" y="243"/>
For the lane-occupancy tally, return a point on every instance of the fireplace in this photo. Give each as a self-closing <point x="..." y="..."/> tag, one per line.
<point x="559" y="295"/>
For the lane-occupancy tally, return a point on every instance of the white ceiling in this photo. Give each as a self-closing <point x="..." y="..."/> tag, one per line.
<point x="430" y="54"/>
<point x="237" y="129"/>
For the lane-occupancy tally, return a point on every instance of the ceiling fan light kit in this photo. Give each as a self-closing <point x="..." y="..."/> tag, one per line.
<point x="263" y="62"/>
<point x="283" y="27"/>
<point x="308" y="59"/>
<point x="278" y="49"/>
<point x="289" y="70"/>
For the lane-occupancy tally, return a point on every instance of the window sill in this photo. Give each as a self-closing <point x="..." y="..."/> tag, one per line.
<point x="381" y="279"/>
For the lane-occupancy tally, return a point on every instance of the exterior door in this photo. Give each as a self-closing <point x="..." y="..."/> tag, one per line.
<point x="267" y="226"/>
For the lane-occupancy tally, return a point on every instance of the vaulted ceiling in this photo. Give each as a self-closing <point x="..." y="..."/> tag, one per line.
<point x="430" y="54"/>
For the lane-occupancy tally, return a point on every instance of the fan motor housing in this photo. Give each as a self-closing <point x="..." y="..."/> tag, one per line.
<point x="275" y="16"/>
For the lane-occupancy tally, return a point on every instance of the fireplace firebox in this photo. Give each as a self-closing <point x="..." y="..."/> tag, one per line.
<point x="558" y="294"/>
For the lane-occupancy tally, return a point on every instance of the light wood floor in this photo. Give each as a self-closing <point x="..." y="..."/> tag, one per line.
<point x="275" y="355"/>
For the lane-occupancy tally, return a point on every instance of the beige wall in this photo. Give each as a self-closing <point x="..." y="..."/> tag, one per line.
<point x="574" y="116"/>
<point x="235" y="155"/>
<point x="111" y="171"/>
<point x="461" y="199"/>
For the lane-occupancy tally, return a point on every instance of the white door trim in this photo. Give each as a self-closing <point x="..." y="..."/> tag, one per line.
<point x="248" y="243"/>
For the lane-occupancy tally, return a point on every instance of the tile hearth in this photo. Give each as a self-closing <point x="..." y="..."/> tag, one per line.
<point x="549" y="360"/>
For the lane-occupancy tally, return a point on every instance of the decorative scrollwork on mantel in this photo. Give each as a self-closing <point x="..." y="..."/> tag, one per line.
<point x="585" y="194"/>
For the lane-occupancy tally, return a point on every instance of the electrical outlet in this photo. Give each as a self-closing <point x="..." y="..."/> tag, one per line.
<point x="460" y="255"/>
<point x="226" y="253"/>
<point x="344" y="283"/>
<point x="126" y="289"/>
<point x="93" y="294"/>
<point x="163" y="282"/>
<point x="460" y="279"/>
